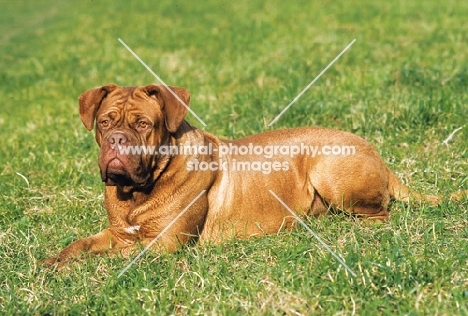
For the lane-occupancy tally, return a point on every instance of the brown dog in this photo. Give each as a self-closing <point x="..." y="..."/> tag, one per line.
<point x="144" y="192"/>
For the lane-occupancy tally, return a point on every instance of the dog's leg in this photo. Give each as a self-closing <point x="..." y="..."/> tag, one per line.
<point x="165" y="243"/>
<point x="373" y="212"/>
<point x="108" y="240"/>
<point x="318" y="206"/>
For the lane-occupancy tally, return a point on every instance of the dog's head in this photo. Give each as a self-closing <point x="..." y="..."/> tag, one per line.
<point x="128" y="119"/>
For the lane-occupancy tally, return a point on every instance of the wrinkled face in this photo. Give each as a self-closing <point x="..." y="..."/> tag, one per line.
<point x="128" y="121"/>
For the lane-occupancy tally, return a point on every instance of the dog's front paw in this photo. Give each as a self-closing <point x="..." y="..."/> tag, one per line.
<point x="52" y="262"/>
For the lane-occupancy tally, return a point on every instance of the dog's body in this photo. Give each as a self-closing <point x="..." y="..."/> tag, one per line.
<point x="144" y="193"/>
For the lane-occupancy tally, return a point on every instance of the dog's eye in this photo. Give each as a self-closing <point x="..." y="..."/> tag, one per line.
<point x="105" y="123"/>
<point x="142" y="125"/>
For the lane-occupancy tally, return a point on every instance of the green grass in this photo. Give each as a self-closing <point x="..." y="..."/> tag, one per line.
<point x="403" y="86"/>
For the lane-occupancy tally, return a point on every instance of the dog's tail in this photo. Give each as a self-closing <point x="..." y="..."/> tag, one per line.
<point x="401" y="192"/>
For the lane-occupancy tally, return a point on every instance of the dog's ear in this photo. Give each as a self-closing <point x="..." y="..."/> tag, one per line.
<point x="90" y="101"/>
<point x="174" y="109"/>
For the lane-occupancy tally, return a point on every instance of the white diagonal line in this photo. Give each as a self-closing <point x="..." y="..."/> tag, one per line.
<point x="446" y="141"/>
<point x="160" y="234"/>
<point x="160" y="80"/>
<point x="310" y="84"/>
<point x="315" y="235"/>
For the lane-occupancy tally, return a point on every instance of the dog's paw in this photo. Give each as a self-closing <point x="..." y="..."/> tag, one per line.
<point x="459" y="195"/>
<point x="52" y="262"/>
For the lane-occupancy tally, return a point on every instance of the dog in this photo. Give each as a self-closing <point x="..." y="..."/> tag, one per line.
<point x="224" y="188"/>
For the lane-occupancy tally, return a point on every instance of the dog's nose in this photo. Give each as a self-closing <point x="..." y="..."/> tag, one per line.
<point x="117" y="139"/>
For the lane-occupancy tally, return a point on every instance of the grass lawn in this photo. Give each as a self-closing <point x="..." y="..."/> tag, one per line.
<point x="403" y="86"/>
